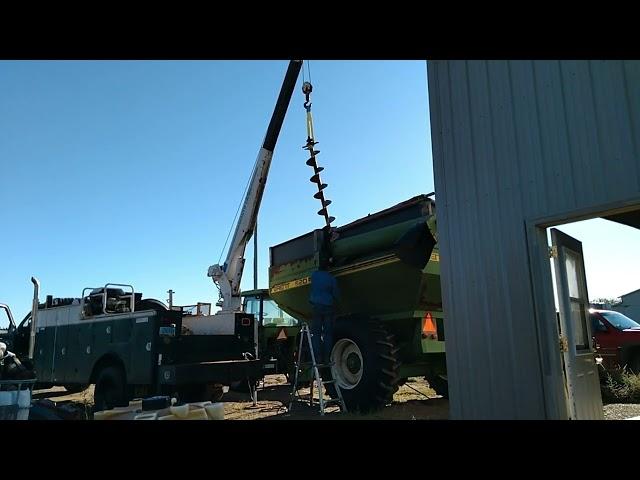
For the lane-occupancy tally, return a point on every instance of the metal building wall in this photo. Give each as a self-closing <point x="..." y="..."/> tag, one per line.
<point x="513" y="141"/>
<point x="630" y="305"/>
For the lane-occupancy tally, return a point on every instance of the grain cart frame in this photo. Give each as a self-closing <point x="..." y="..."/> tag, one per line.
<point x="389" y="323"/>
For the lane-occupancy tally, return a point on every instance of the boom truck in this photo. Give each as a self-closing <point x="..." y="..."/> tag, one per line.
<point x="131" y="347"/>
<point x="389" y="323"/>
<point x="227" y="277"/>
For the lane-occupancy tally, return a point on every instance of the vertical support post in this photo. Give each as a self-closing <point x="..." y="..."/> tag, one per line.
<point x="34" y="316"/>
<point x="255" y="256"/>
<point x="170" y="300"/>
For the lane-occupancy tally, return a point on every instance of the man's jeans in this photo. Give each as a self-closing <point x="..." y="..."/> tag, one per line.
<point x="322" y="325"/>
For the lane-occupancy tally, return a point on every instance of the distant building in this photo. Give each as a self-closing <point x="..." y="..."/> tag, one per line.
<point x="630" y="305"/>
<point x="601" y="305"/>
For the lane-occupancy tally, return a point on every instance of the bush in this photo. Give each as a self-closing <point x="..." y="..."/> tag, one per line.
<point x="620" y="386"/>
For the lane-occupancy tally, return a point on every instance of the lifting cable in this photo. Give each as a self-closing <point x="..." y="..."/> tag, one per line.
<point x="307" y="88"/>
<point x="242" y="199"/>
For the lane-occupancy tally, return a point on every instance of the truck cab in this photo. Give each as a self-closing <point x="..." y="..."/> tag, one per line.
<point x="617" y="339"/>
<point x="277" y="332"/>
<point x="16" y="337"/>
<point x="7" y="325"/>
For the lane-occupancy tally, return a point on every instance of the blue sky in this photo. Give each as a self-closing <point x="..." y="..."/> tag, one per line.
<point x="611" y="256"/>
<point x="131" y="171"/>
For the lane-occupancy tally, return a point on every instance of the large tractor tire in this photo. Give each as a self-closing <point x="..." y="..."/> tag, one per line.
<point x="366" y="364"/>
<point x="111" y="389"/>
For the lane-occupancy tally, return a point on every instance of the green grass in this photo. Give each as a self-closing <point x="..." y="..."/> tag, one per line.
<point x="620" y="386"/>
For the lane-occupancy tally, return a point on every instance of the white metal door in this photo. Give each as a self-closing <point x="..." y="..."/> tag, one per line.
<point x="581" y="372"/>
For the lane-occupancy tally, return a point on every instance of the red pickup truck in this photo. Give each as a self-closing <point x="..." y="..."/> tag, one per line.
<point x="617" y="339"/>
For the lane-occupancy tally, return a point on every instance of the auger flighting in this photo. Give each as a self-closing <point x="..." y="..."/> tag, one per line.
<point x="307" y="88"/>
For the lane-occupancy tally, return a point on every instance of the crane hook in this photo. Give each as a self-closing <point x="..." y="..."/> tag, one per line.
<point x="307" y="88"/>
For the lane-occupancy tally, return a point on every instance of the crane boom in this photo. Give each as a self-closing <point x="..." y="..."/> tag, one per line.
<point x="229" y="275"/>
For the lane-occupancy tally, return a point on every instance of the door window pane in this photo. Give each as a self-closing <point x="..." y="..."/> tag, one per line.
<point x="253" y="306"/>
<point x="578" y="321"/>
<point x="597" y="325"/>
<point x="571" y="264"/>
<point x="274" y="315"/>
<point x="4" y="319"/>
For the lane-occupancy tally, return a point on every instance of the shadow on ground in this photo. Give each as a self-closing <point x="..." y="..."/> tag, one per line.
<point x="413" y="401"/>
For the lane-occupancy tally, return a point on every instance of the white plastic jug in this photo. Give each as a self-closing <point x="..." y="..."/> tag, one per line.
<point x="215" y="411"/>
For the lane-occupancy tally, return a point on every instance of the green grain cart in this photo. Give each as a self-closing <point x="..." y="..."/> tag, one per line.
<point x="389" y="322"/>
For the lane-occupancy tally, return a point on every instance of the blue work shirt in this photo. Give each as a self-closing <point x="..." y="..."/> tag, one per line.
<point x="324" y="288"/>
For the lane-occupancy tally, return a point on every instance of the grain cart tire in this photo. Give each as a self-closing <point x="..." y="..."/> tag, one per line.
<point x="111" y="389"/>
<point x="365" y="364"/>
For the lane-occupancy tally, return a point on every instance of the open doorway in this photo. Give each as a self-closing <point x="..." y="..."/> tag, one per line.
<point x="594" y="263"/>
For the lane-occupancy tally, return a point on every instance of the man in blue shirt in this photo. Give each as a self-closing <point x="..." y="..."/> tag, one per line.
<point x="323" y="297"/>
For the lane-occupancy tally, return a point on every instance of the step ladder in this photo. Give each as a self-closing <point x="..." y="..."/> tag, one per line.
<point x="305" y="334"/>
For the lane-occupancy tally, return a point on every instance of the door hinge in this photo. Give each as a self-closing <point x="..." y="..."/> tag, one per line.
<point x="564" y="343"/>
<point x="553" y="252"/>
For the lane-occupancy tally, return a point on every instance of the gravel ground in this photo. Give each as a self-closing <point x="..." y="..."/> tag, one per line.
<point x="620" y="411"/>
<point x="413" y="401"/>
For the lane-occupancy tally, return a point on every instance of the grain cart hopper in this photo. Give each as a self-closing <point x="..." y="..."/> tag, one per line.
<point x="389" y="323"/>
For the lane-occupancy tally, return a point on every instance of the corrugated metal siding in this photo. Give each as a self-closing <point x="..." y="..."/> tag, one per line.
<point x="516" y="140"/>
<point x="630" y="306"/>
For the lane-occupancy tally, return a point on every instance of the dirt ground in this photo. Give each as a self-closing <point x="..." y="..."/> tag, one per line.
<point x="413" y="401"/>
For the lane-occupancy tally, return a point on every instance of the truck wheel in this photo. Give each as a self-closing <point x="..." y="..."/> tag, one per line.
<point x="110" y="389"/>
<point x="365" y="364"/>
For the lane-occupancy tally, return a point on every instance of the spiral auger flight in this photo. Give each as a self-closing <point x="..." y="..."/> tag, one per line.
<point x="307" y="88"/>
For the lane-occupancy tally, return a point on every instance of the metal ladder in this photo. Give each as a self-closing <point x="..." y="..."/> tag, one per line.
<point x="317" y="380"/>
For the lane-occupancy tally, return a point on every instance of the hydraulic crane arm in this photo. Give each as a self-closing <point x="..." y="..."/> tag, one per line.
<point x="229" y="275"/>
